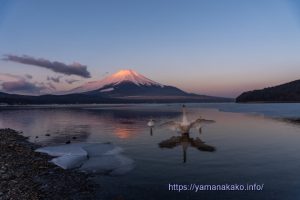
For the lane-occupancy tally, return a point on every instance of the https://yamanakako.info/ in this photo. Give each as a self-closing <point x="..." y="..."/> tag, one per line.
<point x="218" y="187"/>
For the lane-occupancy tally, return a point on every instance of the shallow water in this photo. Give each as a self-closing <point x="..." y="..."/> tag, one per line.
<point x="250" y="148"/>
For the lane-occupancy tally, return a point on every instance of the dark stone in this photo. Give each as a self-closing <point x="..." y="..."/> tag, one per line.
<point x="26" y="174"/>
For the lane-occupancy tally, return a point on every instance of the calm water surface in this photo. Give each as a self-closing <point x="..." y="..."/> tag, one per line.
<point x="250" y="148"/>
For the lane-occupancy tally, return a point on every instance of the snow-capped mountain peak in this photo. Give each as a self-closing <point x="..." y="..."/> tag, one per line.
<point x="121" y="76"/>
<point x="131" y="76"/>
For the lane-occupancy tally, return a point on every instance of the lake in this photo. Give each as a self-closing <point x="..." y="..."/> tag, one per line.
<point x="253" y="145"/>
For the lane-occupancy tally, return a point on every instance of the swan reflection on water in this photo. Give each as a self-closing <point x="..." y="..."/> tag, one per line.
<point x="185" y="141"/>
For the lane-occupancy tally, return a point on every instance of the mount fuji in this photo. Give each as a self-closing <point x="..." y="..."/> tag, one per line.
<point x="113" y="81"/>
<point x="128" y="84"/>
<point x="125" y="86"/>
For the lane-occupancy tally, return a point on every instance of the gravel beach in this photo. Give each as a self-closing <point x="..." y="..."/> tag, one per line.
<point x="26" y="174"/>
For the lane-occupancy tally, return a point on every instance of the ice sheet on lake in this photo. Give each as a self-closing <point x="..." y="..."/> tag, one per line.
<point x="278" y="110"/>
<point x="113" y="164"/>
<point x="69" y="161"/>
<point x="102" y="158"/>
<point x="61" y="150"/>
<point x="95" y="149"/>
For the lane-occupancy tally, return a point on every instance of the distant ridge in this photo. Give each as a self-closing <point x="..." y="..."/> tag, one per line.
<point x="288" y="92"/>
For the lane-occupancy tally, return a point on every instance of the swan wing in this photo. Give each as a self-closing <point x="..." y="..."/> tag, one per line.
<point x="170" y="124"/>
<point x="201" y="121"/>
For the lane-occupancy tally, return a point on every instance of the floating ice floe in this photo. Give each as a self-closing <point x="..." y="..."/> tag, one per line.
<point x="104" y="158"/>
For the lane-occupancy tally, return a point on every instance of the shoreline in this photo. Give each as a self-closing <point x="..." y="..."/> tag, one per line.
<point x="26" y="174"/>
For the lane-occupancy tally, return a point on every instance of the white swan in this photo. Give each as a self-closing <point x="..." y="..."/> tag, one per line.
<point x="151" y="123"/>
<point x="184" y="126"/>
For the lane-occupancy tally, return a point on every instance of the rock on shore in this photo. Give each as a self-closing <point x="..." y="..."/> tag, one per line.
<point x="26" y="174"/>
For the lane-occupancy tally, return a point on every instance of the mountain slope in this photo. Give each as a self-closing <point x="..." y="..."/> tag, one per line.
<point x="116" y="79"/>
<point x="288" y="92"/>
<point x="127" y="88"/>
<point x="128" y="84"/>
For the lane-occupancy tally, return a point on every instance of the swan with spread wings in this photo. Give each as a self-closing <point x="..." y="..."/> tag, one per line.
<point x="184" y="126"/>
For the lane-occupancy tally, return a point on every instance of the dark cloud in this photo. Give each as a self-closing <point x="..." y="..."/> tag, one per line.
<point x="54" y="79"/>
<point x="28" y="76"/>
<point x="22" y="86"/>
<point x="71" y="81"/>
<point x="59" y="67"/>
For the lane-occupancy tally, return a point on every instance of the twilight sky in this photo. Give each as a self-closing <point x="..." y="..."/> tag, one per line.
<point x="211" y="47"/>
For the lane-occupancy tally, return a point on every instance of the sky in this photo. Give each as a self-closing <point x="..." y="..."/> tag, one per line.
<point x="211" y="47"/>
